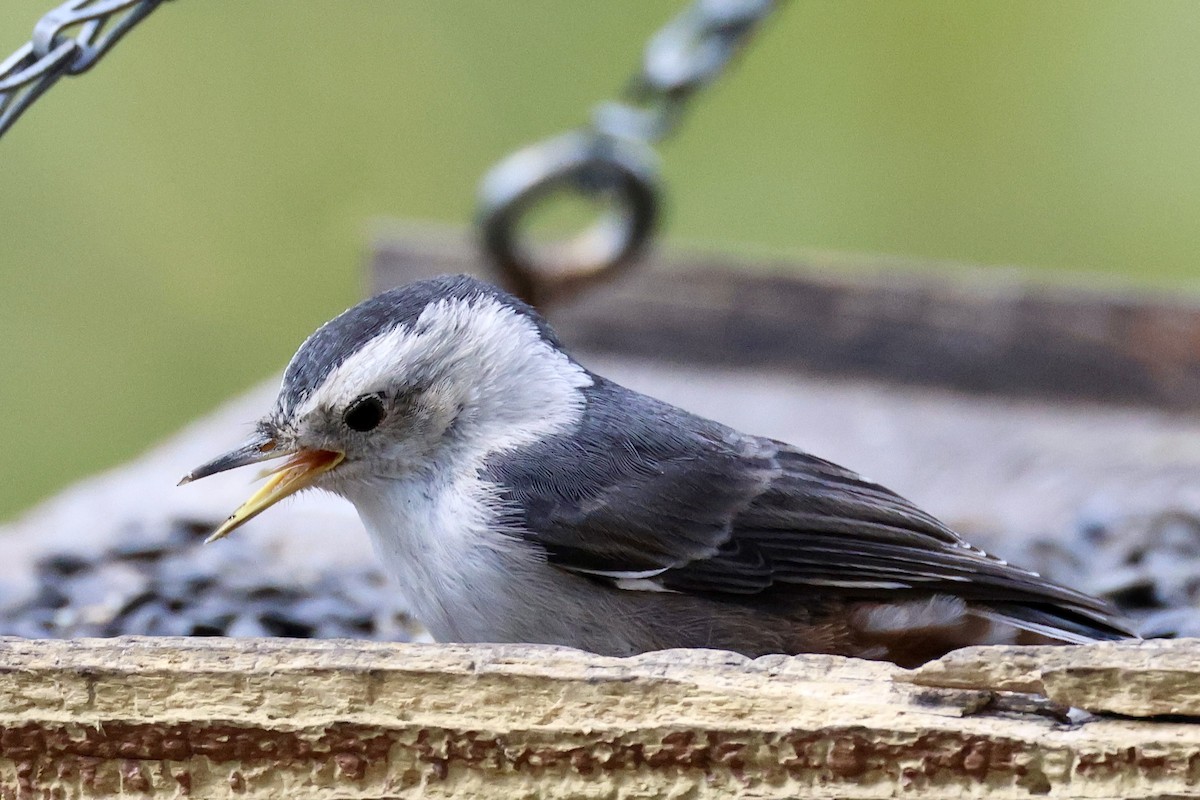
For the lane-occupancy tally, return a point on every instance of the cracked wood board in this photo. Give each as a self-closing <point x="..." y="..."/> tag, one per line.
<point x="1151" y="678"/>
<point x="302" y="719"/>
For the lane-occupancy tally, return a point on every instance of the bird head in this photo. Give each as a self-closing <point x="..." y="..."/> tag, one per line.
<point x="431" y="376"/>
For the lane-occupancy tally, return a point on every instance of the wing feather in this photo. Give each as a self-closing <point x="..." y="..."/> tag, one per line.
<point x="645" y="491"/>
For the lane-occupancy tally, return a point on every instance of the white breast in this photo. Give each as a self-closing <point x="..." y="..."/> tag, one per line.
<point x="460" y="579"/>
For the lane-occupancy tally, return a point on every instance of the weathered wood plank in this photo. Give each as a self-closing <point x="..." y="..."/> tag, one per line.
<point x="964" y="330"/>
<point x="1152" y="678"/>
<point x="219" y="718"/>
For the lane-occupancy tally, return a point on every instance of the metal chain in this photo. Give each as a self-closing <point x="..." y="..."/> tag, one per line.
<point x="54" y="51"/>
<point x="610" y="160"/>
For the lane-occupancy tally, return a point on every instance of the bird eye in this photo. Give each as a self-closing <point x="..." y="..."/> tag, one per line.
<point x="365" y="413"/>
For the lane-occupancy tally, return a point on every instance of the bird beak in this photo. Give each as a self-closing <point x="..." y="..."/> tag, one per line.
<point x="301" y="468"/>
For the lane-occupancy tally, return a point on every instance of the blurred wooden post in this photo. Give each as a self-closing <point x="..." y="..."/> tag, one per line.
<point x="961" y="329"/>
<point x="214" y="718"/>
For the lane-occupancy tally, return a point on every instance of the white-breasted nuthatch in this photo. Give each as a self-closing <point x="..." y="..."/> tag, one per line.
<point x="519" y="497"/>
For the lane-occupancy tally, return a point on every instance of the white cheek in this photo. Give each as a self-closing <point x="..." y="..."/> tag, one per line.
<point x="480" y="355"/>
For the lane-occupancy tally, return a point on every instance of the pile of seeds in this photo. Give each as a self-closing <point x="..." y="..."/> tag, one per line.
<point x="168" y="583"/>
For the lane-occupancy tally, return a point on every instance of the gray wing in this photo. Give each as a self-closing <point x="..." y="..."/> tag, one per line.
<point x="645" y="491"/>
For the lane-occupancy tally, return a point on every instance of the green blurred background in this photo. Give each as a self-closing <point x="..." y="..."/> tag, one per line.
<point x="173" y="224"/>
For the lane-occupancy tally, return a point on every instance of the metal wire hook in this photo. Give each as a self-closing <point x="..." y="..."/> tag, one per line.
<point x="611" y="159"/>
<point x="589" y="164"/>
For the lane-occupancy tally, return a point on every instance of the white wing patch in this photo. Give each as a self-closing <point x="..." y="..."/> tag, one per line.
<point x="623" y="575"/>
<point x="641" y="585"/>
<point x="631" y="580"/>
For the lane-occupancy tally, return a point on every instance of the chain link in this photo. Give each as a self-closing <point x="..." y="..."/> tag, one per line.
<point x="68" y="40"/>
<point x="611" y="160"/>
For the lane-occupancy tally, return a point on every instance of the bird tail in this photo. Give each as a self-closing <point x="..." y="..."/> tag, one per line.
<point x="1066" y="625"/>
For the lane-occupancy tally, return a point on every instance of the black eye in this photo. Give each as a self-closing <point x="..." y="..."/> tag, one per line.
<point x="365" y="413"/>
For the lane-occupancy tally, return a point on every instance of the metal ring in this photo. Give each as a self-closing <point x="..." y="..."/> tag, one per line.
<point x="588" y="164"/>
